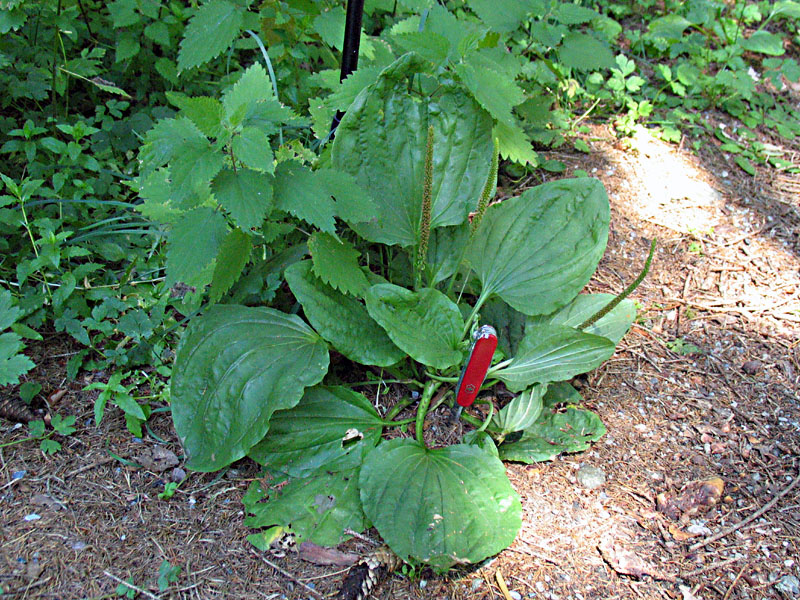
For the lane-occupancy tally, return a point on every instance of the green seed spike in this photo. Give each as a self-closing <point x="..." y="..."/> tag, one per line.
<point x="625" y="293"/>
<point x="425" y="219"/>
<point x="488" y="189"/>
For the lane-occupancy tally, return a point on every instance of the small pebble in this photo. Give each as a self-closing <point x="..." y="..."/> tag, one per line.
<point x="78" y="545"/>
<point x="789" y="584"/>
<point x="423" y="584"/>
<point x="751" y="367"/>
<point x="18" y="475"/>
<point x="32" y="517"/>
<point x="515" y="595"/>
<point x="177" y="475"/>
<point x="476" y="583"/>
<point x="591" y="477"/>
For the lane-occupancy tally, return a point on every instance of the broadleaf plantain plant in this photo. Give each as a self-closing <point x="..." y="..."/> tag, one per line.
<point x="401" y="288"/>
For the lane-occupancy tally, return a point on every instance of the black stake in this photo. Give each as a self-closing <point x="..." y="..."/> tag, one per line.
<point x="352" y="41"/>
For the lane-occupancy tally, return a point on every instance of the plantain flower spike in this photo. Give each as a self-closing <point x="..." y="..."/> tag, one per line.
<point x="425" y="219"/>
<point x="488" y="189"/>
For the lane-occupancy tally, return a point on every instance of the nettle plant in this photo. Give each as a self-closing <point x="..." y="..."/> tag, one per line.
<point x="401" y="292"/>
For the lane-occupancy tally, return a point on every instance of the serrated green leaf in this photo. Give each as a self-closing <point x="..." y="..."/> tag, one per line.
<point x="210" y="32"/>
<point x="12" y="364"/>
<point x="343" y="95"/>
<point x="353" y="203"/>
<point x="205" y="112"/>
<point x="498" y="95"/>
<point x="8" y="312"/>
<point x="252" y="88"/>
<point x="584" y="52"/>
<point x="245" y="194"/>
<point x="318" y="508"/>
<point x="301" y="192"/>
<point x="341" y="320"/>
<point x="501" y="15"/>
<point x="429" y="45"/>
<point x="520" y="413"/>
<point x="764" y="42"/>
<point x="555" y="433"/>
<point x="538" y="250"/>
<point x="331" y="429"/>
<point x="574" y="14"/>
<point x="234" y="254"/>
<point x="425" y="324"/>
<point x="336" y="263"/>
<point x="193" y="244"/>
<point x="234" y="367"/>
<point x="168" y="139"/>
<point x="390" y="167"/>
<point x="251" y="146"/>
<point x="613" y="325"/>
<point x="514" y="144"/>
<point x="554" y="353"/>
<point x="445" y="506"/>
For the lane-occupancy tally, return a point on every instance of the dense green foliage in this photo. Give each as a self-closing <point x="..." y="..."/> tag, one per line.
<point x="163" y="160"/>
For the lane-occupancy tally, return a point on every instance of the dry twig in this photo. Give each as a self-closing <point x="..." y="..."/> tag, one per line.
<point x="288" y="575"/>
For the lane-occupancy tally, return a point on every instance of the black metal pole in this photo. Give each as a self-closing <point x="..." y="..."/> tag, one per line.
<point x="352" y="41"/>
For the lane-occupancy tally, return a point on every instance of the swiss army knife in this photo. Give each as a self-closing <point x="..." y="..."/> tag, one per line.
<point x="474" y="371"/>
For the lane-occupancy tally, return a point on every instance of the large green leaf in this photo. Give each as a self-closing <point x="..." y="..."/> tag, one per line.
<point x="584" y="52"/>
<point x="613" y="325"/>
<point x="336" y="263"/>
<point x="245" y="194"/>
<point x="764" y="42"/>
<point x="538" y="250"/>
<point x="235" y="366"/>
<point x="211" y="30"/>
<point x="554" y="353"/>
<point x="381" y="141"/>
<point x="446" y="506"/>
<point x="555" y="432"/>
<point x="520" y="413"/>
<point x="194" y="243"/>
<point x="329" y="430"/>
<point x="509" y="324"/>
<point x="425" y="324"/>
<point x="318" y="508"/>
<point x="445" y="249"/>
<point x="341" y="320"/>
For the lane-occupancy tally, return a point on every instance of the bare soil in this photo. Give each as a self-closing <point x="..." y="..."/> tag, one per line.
<point x="705" y="385"/>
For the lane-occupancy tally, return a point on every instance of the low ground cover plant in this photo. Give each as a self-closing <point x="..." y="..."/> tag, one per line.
<point x="401" y="287"/>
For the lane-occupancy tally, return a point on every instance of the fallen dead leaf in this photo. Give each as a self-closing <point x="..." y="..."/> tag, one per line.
<point x="695" y="498"/>
<point x="157" y="458"/>
<point x="679" y="535"/>
<point x="320" y="555"/>
<point x="626" y="562"/>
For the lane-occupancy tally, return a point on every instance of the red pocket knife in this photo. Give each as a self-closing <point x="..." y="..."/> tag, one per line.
<point x="474" y="372"/>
